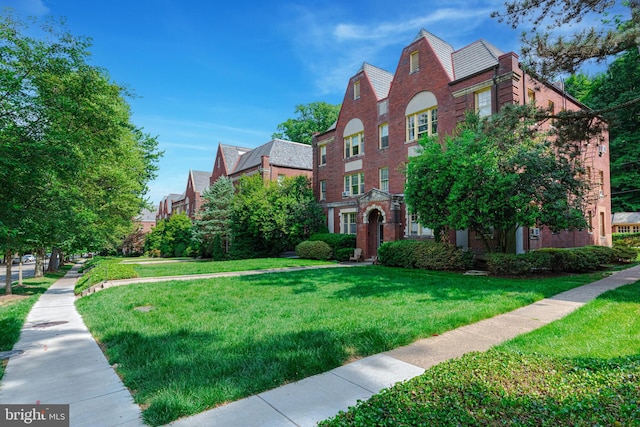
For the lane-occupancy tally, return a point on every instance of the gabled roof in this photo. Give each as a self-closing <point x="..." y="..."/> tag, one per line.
<point x="623" y="218"/>
<point x="200" y="180"/>
<point x="477" y="56"/>
<point x="442" y="49"/>
<point x="380" y="79"/>
<point x="231" y="154"/>
<point x="281" y="153"/>
<point x="147" y="216"/>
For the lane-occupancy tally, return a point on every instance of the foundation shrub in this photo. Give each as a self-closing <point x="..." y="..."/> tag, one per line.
<point x="424" y="254"/>
<point x="337" y="242"/>
<point x="626" y="239"/>
<point x="314" y="250"/>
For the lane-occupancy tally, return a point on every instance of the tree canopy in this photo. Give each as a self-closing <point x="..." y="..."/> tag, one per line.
<point x="311" y="118"/>
<point x="618" y="85"/>
<point x="496" y="174"/>
<point x="73" y="168"/>
<point x="566" y="53"/>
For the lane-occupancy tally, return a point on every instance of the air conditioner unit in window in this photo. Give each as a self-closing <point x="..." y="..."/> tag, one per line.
<point x="601" y="193"/>
<point x="346" y="194"/>
<point x="534" y="232"/>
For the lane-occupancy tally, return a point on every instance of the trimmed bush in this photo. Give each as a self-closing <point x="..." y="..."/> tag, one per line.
<point x="314" y="250"/>
<point x="626" y="239"/>
<point x="343" y="254"/>
<point x="336" y="242"/>
<point x="557" y="260"/>
<point x="424" y="254"/>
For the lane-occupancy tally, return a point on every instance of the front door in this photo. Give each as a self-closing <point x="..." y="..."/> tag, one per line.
<point x="375" y="233"/>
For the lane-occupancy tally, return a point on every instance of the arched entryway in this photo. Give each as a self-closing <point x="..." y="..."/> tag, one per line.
<point x="375" y="232"/>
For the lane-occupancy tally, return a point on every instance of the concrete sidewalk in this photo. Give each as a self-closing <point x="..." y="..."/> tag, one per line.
<point x="57" y="361"/>
<point x="61" y="363"/>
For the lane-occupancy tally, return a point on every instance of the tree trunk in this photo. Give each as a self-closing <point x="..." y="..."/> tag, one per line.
<point x="54" y="261"/>
<point x="7" y="283"/>
<point x="20" y="272"/>
<point x="39" y="268"/>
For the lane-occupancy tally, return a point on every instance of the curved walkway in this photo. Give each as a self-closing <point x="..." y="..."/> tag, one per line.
<point x="59" y="362"/>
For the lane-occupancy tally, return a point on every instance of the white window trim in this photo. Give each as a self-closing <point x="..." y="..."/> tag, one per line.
<point x="380" y="127"/>
<point x="343" y="213"/>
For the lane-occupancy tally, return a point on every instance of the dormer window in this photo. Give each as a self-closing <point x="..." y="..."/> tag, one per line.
<point x="414" y="63"/>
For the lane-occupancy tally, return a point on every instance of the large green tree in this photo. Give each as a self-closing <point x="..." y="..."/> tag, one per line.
<point x="212" y="227"/>
<point x="496" y="174"/>
<point x="311" y="118"/>
<point x="620" y="84"/>
<point x="73" y="168"/>
<point x="269" y="218"/>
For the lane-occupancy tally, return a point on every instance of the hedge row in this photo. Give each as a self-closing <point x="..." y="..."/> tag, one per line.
<point x="573" y="260"/>
<point x="424" y="254"/>
<point x="626" y="239"/>
<point x="342" y="245"/>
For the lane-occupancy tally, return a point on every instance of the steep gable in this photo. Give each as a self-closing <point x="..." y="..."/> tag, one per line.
<point x="280" y="153"/>
<point x="441" y="48"/>
<point x="478" y="56"/>
<point x="380" y="79"/>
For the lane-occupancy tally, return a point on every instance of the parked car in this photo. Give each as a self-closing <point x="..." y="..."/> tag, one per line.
<point x="28" y="258"/>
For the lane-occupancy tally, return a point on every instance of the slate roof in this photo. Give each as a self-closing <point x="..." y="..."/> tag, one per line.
<point x="380" y="79"/>
<point x="147" y="216"/>
<point x="477" y="56"/>
<point x="623" y="218"/>
<point x="231" y="154"/>
<point x="200" y="180"/>
<point x="442" y="49"/>
<point x="281" y="153"/>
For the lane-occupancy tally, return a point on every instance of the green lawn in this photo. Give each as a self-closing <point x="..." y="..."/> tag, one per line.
<point x="183" y="347"/>
<point x="14" y="310"/>
<point x="583" y="370"/>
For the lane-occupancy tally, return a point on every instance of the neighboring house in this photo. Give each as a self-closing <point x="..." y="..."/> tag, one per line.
<point x="146" y="220"/>
<point x="359" y="162"/>
<point x="273" y="161"/>
<point x="190" y="201"/>
<point x="626" y="222"/>
<point x="164" y="208"/>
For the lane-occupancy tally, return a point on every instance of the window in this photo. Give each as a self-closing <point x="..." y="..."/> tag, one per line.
<point x="384" y="179"/>
<point x="590" y="221"/>
<point x="624" y="229"/>
<point x="422" y="123"/>
<point x="323" y="190"/>
<point x="414" y="62"/>
<point x="551" y="107"/>
<point x="601" y="183"/>
<point x="348" y="223"/>
<point x="415" y="229"/>
<point x="354" y="184"/>
<point x="383" y="132"/>
<point x="532" y="96"/>
<point x="323" y="154"/>
<point x="603" y="232"/>
<point x="354" y="145"/>
<point x="356" y="90"/>
<point x="281" y="178"/>
<point x="483" y="102"/>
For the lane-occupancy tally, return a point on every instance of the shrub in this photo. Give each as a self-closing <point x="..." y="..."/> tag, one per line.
<point x="626" y="239"/>
<point x="424" y="254"/>
<point x="336" y="241"/>
<point x="314" y="250"/>
<point x="573" y="260"/>
<point x="343" y="254"/>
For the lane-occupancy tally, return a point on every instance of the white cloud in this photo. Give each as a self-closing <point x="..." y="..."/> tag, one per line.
<point x="27" y="7"/>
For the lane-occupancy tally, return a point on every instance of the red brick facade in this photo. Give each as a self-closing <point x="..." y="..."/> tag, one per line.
<point x="434" y="82"/>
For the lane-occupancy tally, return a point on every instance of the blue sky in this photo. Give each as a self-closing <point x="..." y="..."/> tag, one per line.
<point x="206" y="72"/>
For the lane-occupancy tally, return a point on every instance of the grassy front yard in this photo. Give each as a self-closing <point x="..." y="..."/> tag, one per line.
<point x="583" y="370"/>
<point x="183" y="347"/>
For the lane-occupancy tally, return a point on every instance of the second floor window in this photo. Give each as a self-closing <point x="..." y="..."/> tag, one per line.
<point x="323" y="190"/>
<point x="483" y="102"/>
<point x="354" y="184"/>
<point x="384" y="135"/>
<point x="323" y="154"/>
<point x="384" y="179"/>
<point x="354" y="145"/>
<point x="422" y="123"/>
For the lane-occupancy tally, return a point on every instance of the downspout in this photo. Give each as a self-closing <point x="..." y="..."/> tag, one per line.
<point x="495" y="86"/>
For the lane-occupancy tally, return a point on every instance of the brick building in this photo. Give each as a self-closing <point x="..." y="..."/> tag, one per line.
<point x="359" y="162"/>
<point x="274" y="160"/>
<point x="188" y="202"/>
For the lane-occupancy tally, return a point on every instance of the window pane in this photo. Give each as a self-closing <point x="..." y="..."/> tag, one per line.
<point x="434" y="121"/>
<point x="384" y="136"/>
<point x="423" y="124"/>
<point x="411" y="131"/>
